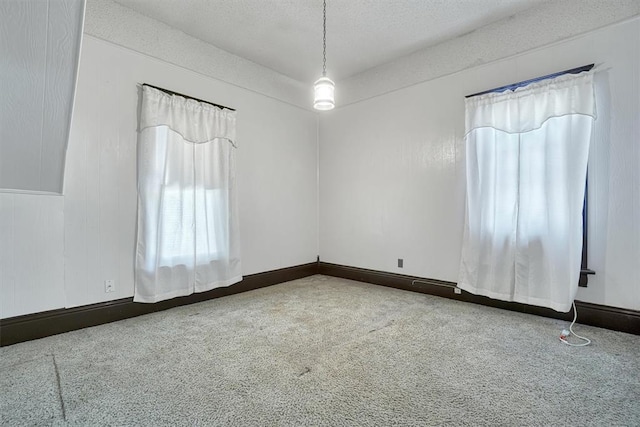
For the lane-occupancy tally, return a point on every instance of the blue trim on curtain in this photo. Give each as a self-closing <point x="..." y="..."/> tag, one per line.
<point x="514" y="86"/>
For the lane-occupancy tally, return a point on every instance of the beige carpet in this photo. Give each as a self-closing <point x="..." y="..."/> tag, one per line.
<point x="327" y="352"/>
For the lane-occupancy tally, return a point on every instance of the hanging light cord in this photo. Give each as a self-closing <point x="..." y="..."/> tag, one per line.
<point x="324" y="38"/>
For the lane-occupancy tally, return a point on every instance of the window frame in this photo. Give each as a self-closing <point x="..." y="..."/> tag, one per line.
<point x="585" y="271"/>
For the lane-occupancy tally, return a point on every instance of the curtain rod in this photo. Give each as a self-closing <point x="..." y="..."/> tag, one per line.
<point x="513" y="86"/>
<point x="170" y="92"/>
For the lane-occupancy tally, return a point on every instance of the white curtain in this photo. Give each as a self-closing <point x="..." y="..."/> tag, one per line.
<point x="526" y="164"/>
<point x="187" y="237"/>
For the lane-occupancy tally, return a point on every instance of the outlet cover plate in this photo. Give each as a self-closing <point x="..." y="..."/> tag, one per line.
<point x="109" y="285"/>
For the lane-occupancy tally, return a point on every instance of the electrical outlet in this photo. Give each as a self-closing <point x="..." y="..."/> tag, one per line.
<point x="400" y="262"/>
<point x="109" y="285"/>
<point x="457" y="291"/>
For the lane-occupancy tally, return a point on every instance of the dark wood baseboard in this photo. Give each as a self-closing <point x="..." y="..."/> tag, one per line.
<point x="617" y="319"/>
<point x="39" y="325"/>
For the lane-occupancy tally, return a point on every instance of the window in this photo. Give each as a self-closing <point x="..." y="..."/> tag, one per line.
<point x="181" y="210"/>
<point x="585" y="271"/>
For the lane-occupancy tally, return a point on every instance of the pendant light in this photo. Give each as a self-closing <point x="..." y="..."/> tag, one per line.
<point x="323" y="88"/>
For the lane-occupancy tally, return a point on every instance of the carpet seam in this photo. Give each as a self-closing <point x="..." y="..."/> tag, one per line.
<point x="59" y="387"/>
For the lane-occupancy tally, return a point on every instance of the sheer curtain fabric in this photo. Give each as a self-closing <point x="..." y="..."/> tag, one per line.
<point x="187" y="237"/>
<point x="526" y="165"/>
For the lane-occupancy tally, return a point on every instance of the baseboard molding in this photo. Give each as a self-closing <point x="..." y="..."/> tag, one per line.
<point x="617" y="319"/>
<point x="39" y="325"/>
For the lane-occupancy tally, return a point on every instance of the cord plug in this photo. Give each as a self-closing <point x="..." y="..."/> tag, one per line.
<point x="564" y="334"/>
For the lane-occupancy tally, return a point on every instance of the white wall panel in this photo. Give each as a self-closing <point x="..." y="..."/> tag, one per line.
<point x="387" y="172"/>
<point x="23" y="32"/>
<point x="7" y="272"/>
<point x="277" y="186"/>
<point x="392" y="168"/>
<point x="39" y="46"/>
<point x="31" y="253"/>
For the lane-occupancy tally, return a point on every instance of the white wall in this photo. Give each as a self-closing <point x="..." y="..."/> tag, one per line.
<point x="31" y="253"/>
<point x="392" y="168"/>
<point x="57" y="251"/>
<point x="39" y="47"/>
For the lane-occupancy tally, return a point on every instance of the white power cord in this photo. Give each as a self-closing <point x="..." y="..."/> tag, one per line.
<point x="564" y="334"/>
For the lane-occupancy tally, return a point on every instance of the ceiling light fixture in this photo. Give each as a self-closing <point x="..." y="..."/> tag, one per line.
<point x="324" y="88"/>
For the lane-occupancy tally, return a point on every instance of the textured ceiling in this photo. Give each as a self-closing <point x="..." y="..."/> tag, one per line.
<point x="286" y="35"/>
